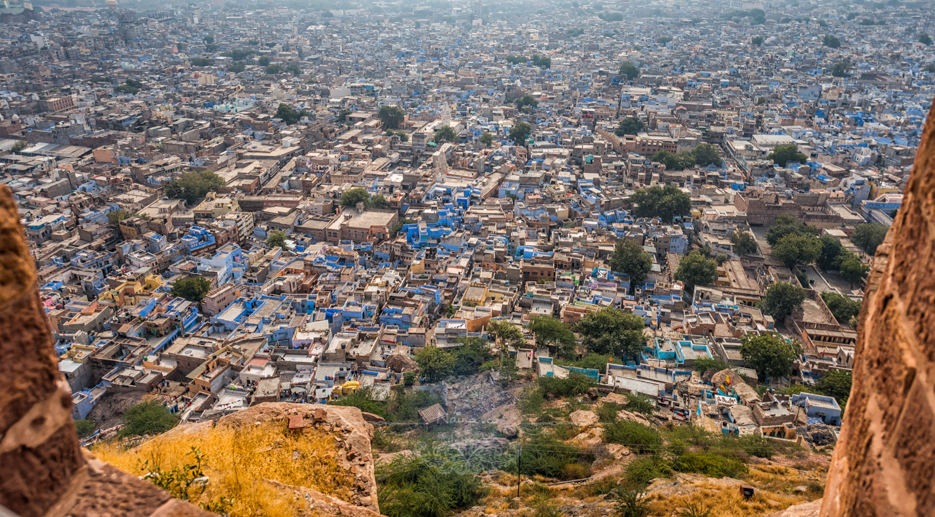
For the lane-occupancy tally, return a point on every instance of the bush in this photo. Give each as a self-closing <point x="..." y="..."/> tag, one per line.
<point x="431" y="484"/>
<point x="363" y="399"/>
<point x="546" y="456"/>
<point x="706" y="363"/>
<point x="631" y="503"/>
<point x="147" y="418"/>
<point x="642" y="404"/>
<point x="709" y="464"/>
<point x="637" y="437"/>
<point x="409" y="378"/>
<point x="573" y="385"/>
<point x="469" y="357"/>
<point x="84" y="427"/>
<point x="642" y="471"/>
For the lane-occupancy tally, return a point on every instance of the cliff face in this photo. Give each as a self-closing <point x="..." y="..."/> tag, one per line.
<point x="883" y="464"/>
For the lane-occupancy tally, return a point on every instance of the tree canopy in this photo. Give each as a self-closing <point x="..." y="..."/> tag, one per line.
<point x="351" y="197"/>
<point x="757" y="40"/>
<point x="289" y="115"/>
<point x="675" y="162"/>
<point x="630" y="259"/>
<point x="506" y="332"/>
<point x="629" y="126"/>
<point x="842" y="307"/>
<point x="769" y="354"/>
<point x="391" y="116"/>
<point x="785" y="224"/>
<point x="837" y="384"/>
<point x="445" y="134"/>
<point x="744" y="243"/>
<point x="526" y="100"/>
<point x="783" y="154"/>
<point x="612" y="332"/>
<point x="832" y="252"/>
<point x="925" y="39"/>
<point x="192" y="289"/>
<point x="840" y="69"/>
<point x="853" y="270"/>
<point x="193" y="186"/>
<point x="435" y="364"/>
<point x="662" y="202"/>
<point x="781" y="300"/>
<point x="629" y="70"/>
<point x="520" y="132"/>
<point x="147" y="418"/>
<point x="796" y="249"/>
<point x="831" y="41"/>
<point x="869" y="236"/>
<point x="554" y="334"/>
<point x="696" y="269"/>
<point x="276" y="239"/>
<point x="706" y="154"/>
<point x="486" y="139"/>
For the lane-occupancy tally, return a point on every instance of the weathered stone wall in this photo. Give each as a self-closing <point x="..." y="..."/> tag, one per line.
<point x="884" y="463"/>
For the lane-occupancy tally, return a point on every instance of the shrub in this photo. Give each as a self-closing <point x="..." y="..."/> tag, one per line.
<point x="642" y="471"/>
<point x="84" y="427"/>
<point x="642" y="404"/>
<point x="363" y="399"/>
<point x="709" y="464"/>
<point x="549" y="457"/>
<point x="639" y="438"/>
<point x="431" y="484"/>
<point x="607" y="412"/>
<point x="573" y="385"/>
<point x="147" y="418"/>
<point x="631" y="503"/>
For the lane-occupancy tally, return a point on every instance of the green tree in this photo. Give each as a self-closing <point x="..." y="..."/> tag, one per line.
<point x="769" y="354"/>
<point x="115" y="216"/>
<point x="294" y="69"/>
<point x="706" y="154"/>
<point x="541" y="61"/>
<point x="526" y="100"/>
<point x="837" y="384"/>
<point x="515" y="60"/>
<point x="289" y="115"/>
<point x="193" y="186"/>
<point x="351" y="197"/>
<point x="796" y="249"/>
<point x="744" y="243"/>
<point x="147" y="418"/>
<point x="757" y="40"/>
<point x="925" y="39"/>
<point x="263" y="61"/>
<point x="486" y="139"/>
<point x="612" y="332"/>
<point x="276" y="239"/>
<point x="785" y="224"/>
<point x="520" y="132"/>
<point x="409" y="378"/>
<point x="629" y="70"/>
<point x="445" y="134"/>
<point x="391" y="116"/>
<point x="629" y="126"/>
<point x="274" y="69"/>
<point x="853" y="270"/>
<point x="708" y="363"/>
<point x="378" y="201"/>
<point x="630" y="258"/>
<point x="200" y="61"/>
<point x="237" y="67"/>
<point x="675" y="162"/>
<point x="831" y="41"/>
<point x="84" y="427"/>
<point x="664" y="203"/>
<point x="19" y="146"/>
<point x="869" y="236"/>
<point x="435" y="364"/>
<point x="554" y="334"/>
<point x="832" y="252"/>
<point x="781" y="300"/>
<point x="840" y="69"/>
<point x="506" y="332"/>
<point x="209" y="39"/>
<point x="783" y="154"/>
<point x="696" y="269"/>
<point x="842" y="307"/>
<point x="192" y="289"/>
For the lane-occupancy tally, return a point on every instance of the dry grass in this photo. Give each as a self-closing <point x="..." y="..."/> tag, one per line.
<point x="240" y="459"/>
<point x="725" y="502"/>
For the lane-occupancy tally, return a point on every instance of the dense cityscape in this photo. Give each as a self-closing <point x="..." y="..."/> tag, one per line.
<point x="635" y="236"/>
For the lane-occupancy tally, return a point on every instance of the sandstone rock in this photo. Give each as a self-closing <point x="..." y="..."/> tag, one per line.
<point x="507" y="430"/>
<point x="583" y="418"/>
<point x="800" y="510"/>
<point x="633" y="417"/>
<point x="386" y="459"/>
<point x="401" y="364"/>
<point x="483" y="443"/>
<point x="615" y="398"/>
<point x="617" y="451"/>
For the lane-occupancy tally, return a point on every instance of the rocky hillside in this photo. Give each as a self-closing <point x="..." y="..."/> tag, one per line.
<point x="275" y="459"/>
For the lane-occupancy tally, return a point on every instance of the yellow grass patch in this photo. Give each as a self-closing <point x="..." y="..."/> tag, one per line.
<point x="240" y="460"/>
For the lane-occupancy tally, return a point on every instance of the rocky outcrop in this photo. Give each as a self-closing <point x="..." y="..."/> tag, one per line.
<point x="883" y="464"/>
<point x="352" y="435"/>
<point x="42" y="468"/>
